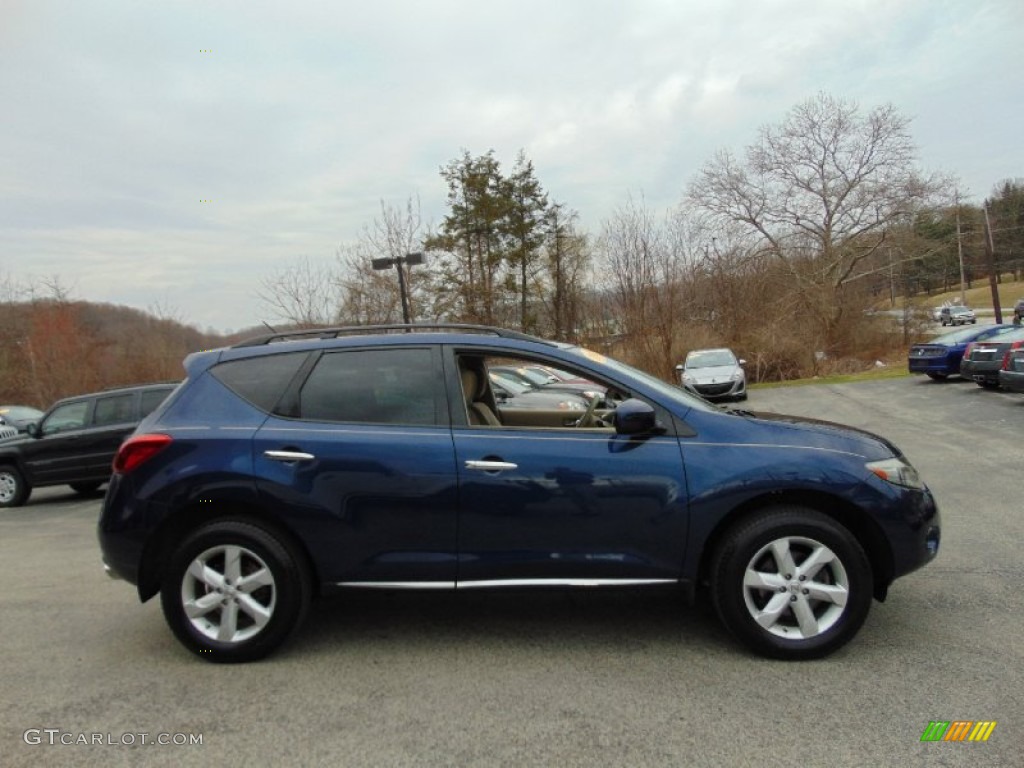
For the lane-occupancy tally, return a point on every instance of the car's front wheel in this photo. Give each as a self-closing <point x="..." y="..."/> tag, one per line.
<point x="14" y="491"/>
<point x="234" y="591"/>
<point x="938" y="376"/>
<point x="791" y="583"/>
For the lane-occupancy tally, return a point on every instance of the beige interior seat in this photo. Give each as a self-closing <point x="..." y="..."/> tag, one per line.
<point x="473" y="389"/>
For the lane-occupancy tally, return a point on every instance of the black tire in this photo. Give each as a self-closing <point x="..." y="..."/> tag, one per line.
<point x="85" y="489"/>
<point x="284" y="599"/>
<point x="799" y="530"/>
<point x="938" y="376"/>
<point x="14" y="491"/>
<point x="742" y="396"/>
<point x="988" y="384"/>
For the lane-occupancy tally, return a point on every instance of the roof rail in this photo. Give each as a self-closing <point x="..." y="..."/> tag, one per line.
<point x="139" y="386"/>
<point x="356" y="330"/>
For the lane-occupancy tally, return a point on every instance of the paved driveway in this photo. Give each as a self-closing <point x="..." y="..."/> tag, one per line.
<point x="544" y="679"/>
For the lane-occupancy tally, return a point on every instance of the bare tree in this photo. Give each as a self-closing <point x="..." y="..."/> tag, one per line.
<point x="304" y="294"/>
<point x="646" y="261"/>
<point x="820" y="191"/>
<point x="368" y="296"/>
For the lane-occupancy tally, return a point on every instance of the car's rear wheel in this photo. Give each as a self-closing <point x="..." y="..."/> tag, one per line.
<point x="938" y="376"/>
<point x="14" y="490"/>
<point x="988" y="384"/>
<point x="791" y="583"/>
<point x="234" y="591"/>
<point x="85" y="488"/>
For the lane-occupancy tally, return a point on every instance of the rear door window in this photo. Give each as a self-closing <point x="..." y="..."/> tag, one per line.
<point x="378" y="386"/>
<point x="114" y="409"/>
<point x="151" y="398"/>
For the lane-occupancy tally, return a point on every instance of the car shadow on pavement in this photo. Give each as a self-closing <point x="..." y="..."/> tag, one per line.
<point x="561" y="619"/>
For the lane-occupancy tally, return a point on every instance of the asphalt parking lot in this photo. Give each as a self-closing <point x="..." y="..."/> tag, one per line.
<point x="590" y="679"/>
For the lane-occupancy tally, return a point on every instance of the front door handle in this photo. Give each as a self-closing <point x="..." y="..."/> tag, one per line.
<point x="289" y="455"/>
<point x="491" y="466"/>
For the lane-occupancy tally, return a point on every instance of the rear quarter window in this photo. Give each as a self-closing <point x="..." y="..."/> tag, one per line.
<point x="151" y="399"/>
<point x="260" y="380"/>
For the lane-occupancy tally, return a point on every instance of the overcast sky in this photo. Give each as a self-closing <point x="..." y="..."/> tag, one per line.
<point x="303" y="116"/>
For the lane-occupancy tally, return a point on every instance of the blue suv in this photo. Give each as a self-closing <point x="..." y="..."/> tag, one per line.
<point x="378" y="458"/>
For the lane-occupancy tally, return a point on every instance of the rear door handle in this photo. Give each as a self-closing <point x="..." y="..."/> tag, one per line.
<point x="491" y="466"/>
<point x="289" y="455"/>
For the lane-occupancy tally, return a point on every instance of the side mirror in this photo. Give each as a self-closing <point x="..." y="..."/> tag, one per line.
<point x="679" y="367"/>
<point x="635" y="417"/>
<point x="33" y="429"/>
<point x="742" y="361"/>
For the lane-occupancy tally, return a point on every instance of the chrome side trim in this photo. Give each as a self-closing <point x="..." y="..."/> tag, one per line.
<point x="483" y="432"/>
<point x="489" y="583"/>
<point x="398" y="584"/>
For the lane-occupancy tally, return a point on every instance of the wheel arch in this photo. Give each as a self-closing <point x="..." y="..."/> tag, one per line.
<point x="177" y="526"/>
<point x="868" y="534"/>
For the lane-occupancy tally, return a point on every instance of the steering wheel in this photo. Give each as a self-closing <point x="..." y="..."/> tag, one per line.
<point x="587" y="419"/>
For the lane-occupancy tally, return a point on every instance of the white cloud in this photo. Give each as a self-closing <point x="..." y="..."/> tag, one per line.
<point x="303" y="118"/>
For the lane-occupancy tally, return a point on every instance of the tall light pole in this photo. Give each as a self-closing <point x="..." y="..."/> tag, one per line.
<point x="397" y="262"/>
<point x="960" y="250"/>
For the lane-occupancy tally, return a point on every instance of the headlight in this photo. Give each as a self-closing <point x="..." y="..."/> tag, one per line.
<point x="687" y="378"/>
<point x="897" y="472"/>
<point x="737" y="376"/>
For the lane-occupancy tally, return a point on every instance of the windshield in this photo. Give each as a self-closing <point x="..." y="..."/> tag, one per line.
<point x="710" y="358"/>
<point x="672" y="392"/>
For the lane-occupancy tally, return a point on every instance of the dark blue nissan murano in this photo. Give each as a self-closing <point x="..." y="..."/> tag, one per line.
<point x="379" y="458"/>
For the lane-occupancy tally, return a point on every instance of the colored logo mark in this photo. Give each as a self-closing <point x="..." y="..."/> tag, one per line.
<point x="958" y="730"/>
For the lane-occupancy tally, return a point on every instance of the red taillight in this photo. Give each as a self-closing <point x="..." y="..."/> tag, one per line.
<point x="1009" y="354"/>
<point x="138" y="450"/>
<point x="967" y="352"/>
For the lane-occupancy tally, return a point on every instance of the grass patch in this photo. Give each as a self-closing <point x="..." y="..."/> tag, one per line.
<point x="890" y="372"/>
<point x="978" y="297"/>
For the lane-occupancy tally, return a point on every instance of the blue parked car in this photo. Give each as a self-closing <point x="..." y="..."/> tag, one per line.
<point x="294" y="465"/>
<point x="941" y="356"/>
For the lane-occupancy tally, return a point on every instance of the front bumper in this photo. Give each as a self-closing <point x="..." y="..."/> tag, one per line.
<point x="718" y="391"/>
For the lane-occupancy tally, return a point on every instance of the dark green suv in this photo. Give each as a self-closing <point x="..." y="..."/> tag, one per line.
<point x="74" y="442"/>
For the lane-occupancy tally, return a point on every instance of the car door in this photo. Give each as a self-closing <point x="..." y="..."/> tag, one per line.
<point x="114" y="417"/>
<point x="51" y="456"/>
<point x="365" y="454"/>
<point x="557" y="504"/>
